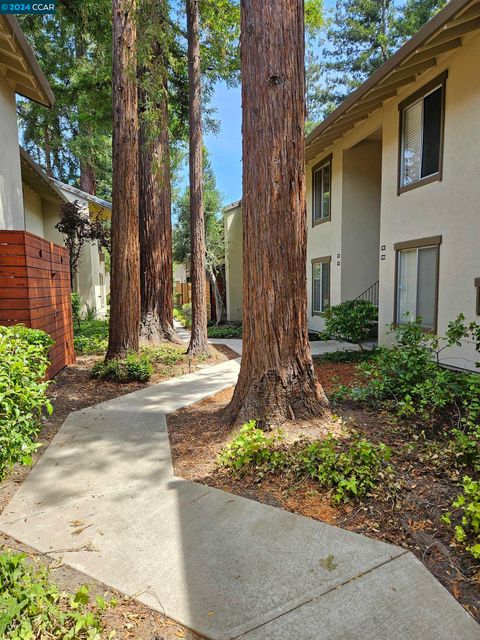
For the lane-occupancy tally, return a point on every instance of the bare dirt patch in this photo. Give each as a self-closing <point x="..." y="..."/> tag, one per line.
<point x="407" y="514"/>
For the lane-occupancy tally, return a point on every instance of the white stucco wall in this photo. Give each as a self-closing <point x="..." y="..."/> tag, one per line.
<point x="33" y="209"/>
<point x="11" y="202"/>
<point x="450" y="208"/>
<point x="234" y="263"/>
<point x="87" y="282"/>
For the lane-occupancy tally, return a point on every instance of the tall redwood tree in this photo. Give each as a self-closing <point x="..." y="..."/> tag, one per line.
<point x="125" y="268"/>
<point x="198" y="340"/>
<point x="156" y="264"/>
<point x="277" y="380"/>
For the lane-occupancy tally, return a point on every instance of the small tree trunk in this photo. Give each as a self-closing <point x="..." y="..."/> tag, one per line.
<point x="198" y="339"/>
<point x="277" y="379"/>
<point x="219" y="308"/>
<point x="48" y="151"/>
<point x="156" y="263"/>
<point x="88" y="182"/>
<point x="125" y="267"/>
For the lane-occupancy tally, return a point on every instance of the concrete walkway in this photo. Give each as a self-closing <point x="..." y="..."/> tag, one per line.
<point x="318" y="347"/>
<point x="104" y="497"/>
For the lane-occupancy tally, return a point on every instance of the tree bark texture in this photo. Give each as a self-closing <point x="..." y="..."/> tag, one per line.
<point x="156" y="263"/>
<point x="198" y="339"/>
<point x="125" y="267"/>
<point x="88" y="182"/>
<point x="277" y="380"/>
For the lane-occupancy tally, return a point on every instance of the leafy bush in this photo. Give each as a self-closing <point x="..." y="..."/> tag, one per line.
<point x="32" y="607"/>
<point x="132" y="368"/>
<point x="23" y="365"/>
<point x="225" y="331"/>
<point x="91" y="337"/>
<point x="76" y="305"/>
<point x="184" y="315"/>
<point x="351" y="471"/>
<point x="166" y="354"/>
<point x="345" y="356"/>
<point x="467" y="532"/>
<point x="252" y="447"/>
<point x="351" y="321"/>
<point x="408" y="377"/>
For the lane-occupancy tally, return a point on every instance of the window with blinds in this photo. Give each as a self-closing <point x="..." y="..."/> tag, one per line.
<point x="320" y="285"/>
<point x="321" y="187"/>
<point x="421" y="136"/>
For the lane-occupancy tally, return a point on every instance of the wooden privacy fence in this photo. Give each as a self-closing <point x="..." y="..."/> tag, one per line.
<point x="183" y="295"/>
<point x="35" y="291"/>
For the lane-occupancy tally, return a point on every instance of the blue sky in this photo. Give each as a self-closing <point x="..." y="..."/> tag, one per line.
<point x="225" y="148"/>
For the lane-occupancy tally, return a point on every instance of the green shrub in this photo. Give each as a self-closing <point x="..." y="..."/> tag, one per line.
<point x="408" y="377"/>
<point x="23" y="365"/>
<point x="166" y="354"/>
<point x="31" y="606"/>
<point x="132" y="368"/>
<point x="351" y="470"/>
<point x="252" y="447"/>
<point x="184" y="315"/>
<point x="345" y="356"/>
<point x="91" y="337"/>
<point x="467" y="531"/>
<point x="76" y="305"/>
<point x="225" y="331"/>
<point x="351" y="321"/>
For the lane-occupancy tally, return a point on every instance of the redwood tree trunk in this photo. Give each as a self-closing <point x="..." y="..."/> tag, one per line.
<point x="88" y="182"/>
<point x="125" y="267"/>
<point x="156" y="263"/>
<point x="277" y="380"/>
<point x="198" y="340"/>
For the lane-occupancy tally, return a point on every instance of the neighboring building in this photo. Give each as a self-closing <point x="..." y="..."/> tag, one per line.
<point x="92" y="281"/>
<point x="233" y="261"/>
<point x="42" y="198"/>
<point x="393" y="186"/>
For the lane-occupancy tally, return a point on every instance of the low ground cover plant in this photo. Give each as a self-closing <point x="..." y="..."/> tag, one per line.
<point x="32" y="607"/>
<point x="346" y="356"/>
<point x="184" y="315"/>
<point x="91" y="337"/>
<point x="351" y="321"/>
<point x="467" y="506"/>
<point x="225" y="331"/>
<point x="350" y="468"/>
<point x="23" y="393"/>
<point x="133" y="368"/>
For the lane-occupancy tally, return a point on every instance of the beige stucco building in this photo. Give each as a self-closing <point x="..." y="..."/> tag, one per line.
<point x="393" y="188"/>
<point x="29" y="199"/>
<point x="42" y="198"/>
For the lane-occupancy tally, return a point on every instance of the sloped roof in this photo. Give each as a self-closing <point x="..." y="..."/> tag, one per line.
<point x="82" y="194"/>
<point x="441" y="34"/>
<point x="36" y="178"/>
<point x="19" y="65"/>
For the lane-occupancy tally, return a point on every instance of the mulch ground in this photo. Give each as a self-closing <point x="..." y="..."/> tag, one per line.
<point x="74" y="389"/>
<point x="407" y="514"/>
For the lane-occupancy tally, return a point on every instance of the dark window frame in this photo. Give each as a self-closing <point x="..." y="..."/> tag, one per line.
<point x="326" y="161"/>
<point x="323" y="260"/>
<point x="432" y="241"/>
<point x="437" y="82"/>
<point x="477" y="305"/>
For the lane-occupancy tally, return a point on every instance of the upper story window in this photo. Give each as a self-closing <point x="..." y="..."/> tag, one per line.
<point x="321" y="190"/>
<point x="421" y="135"/>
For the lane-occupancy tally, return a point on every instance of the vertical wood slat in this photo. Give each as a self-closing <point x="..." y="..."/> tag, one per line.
<point x="35" y="291"/>
<point x="184" y="291"/>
